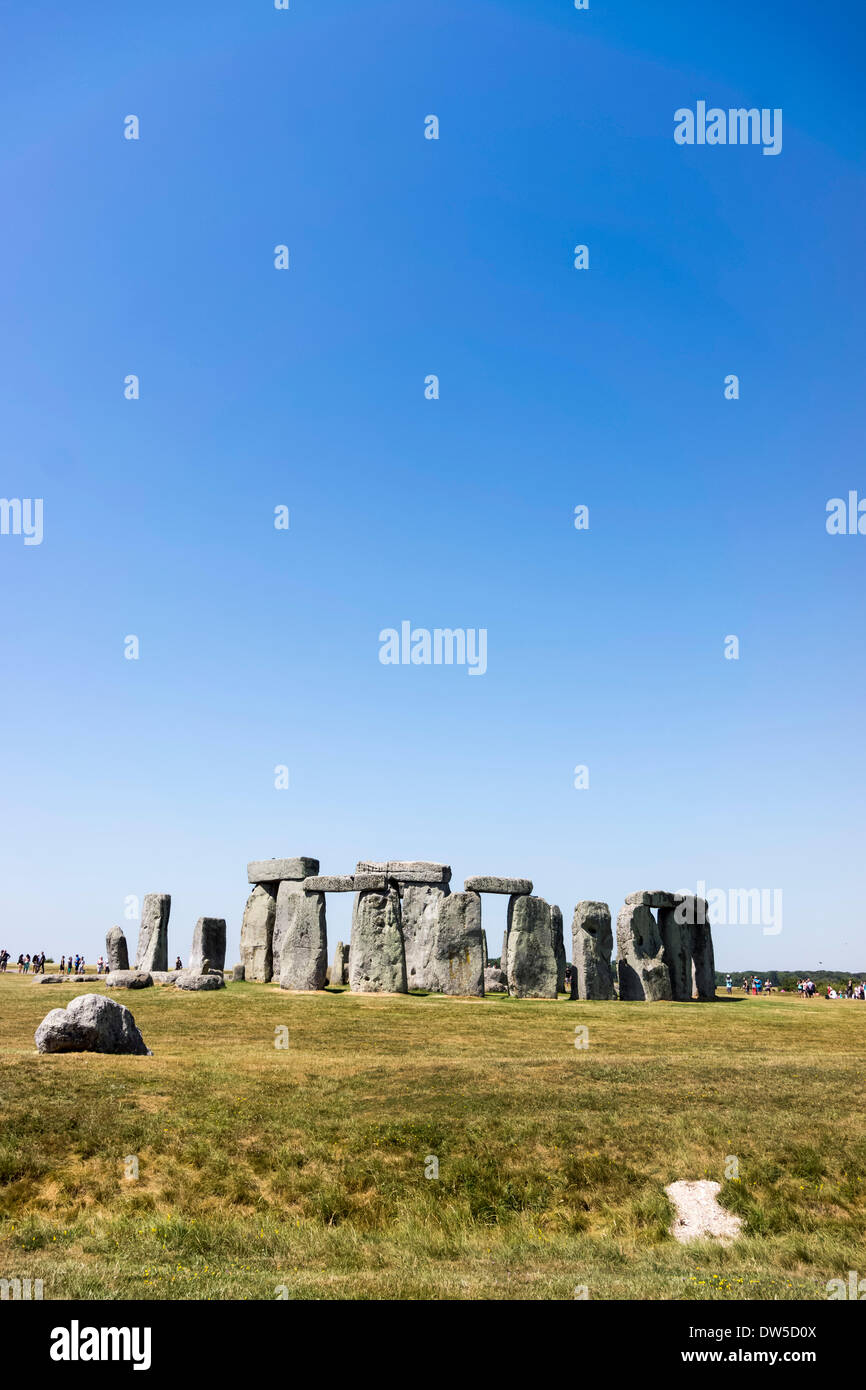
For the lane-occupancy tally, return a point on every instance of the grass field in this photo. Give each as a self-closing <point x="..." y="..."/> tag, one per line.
<point x="304" y="1167"/>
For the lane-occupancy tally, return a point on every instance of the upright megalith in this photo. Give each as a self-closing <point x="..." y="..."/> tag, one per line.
<point x="531" y="958"/>
<point x="116" y="950"/>
<point x="688" y="947"/>
<point x="558" y="937"/>
<point x="676" y="937"/>
<point x="591" y="947"/>
<point x="257" y="932"/>
<point x="208" y="943"/>
<point x="340" y="965"/>
<point x="152" y="952"/>
<point x="643" y="973"/>
<point x="304" y="950"/>
<point x="423" y="886"/>
<point x="457" y="964"/>
<point x="377" y="959"/>
<point x="703" y="960"/>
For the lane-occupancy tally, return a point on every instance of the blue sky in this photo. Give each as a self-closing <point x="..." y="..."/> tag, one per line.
<point x="305" y="388"/>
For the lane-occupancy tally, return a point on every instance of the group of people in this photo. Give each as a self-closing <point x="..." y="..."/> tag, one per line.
<point x="752" y="984"/>
<point x="806" y="988"/>
<point x="36" y="962"/>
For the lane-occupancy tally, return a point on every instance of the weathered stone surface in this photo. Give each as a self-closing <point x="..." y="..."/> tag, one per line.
<point x="189" y="979"/>
<point x="484" y="947"/>
<point x="457" y="964"/>
<point x="128" y="979"/>
<point x="407" y="870"/>
<point x="152" y="953"/>
<point x="330" y="883"/>
<point x="650" y="897"/>
<point x="208" y="943"/>
<point x="692" y="909"/>
<point x="164" y="977"/>
<point x="238" y="973"/>
<point x="257" y="932"/>
<point x="51" y="979"/>
<point x="371" y="883"/>
<point x="676" y="939"/>
<point x="419" y="913"/>
<point x="116" y="951"/>
<point x="512" y="886"/>
<point x="287" y="888"/>
<point x="337" y="972"/>
<point x="591" y="947"/>
<point x="495" y="981"/>
<point x="86" y="979"/>
<point x="90" y="1023"/>
<point x="531" y="960"/>
<point x="703" y="961"/>
<point x="278" y="870"/>
<point x="558" y="938"/>
<point x="304" y="953"/>
<point x="377" y="961"/>
<point x="643" y="973"/>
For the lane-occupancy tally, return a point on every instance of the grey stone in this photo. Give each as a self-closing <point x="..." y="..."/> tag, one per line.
<point x="86" y="979"/>
<point x="287" y="888"/>
<point x="278" y="870"/>
<point x="642" y="971"/>
<point x="370" y="883"/>
<point x="558" y="938"/>
<point x="457" y="963"/>
<point x="116" y="951"/>
<point x="91" y="1023"/>
<point x="650" y="897"/>
<point x="703" y="961"/>
<point x="128" y="979"/>
<point x="238" y="973"/>
<point x="304" y="952"/>
<point x="511" y="886"/>
<point x="257" y="932"/>
<point x="591" y="947"/>
<point x="495" y="981"/>
<point x="418" y="915"/>
<point x="208" y="942"/>
<point x="190" y="979"/>
<point x="164" y="977"/>
<point x="531" y="960"/>
<point x="484" y="948"/>
<point x="377" y="961"/>
<point x="337" y="972"/>
<point x="330" y="883"/>
<point x="51" y="979"/>
<point x="408" y="870"/>
<point x="676" y="936"/>
<point x="152" y="953"/>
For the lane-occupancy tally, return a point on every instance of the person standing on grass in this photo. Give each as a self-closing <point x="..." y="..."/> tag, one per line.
<point x="177" y="963"/>
<point x="729" y="984"/>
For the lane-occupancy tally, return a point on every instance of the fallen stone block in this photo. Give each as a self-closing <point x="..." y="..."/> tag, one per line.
<point x="128" y="979"/>
<point x="91" y="1023"/>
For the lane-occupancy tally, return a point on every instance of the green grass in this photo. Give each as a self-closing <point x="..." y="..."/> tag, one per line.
<point x="305" y="1168"/>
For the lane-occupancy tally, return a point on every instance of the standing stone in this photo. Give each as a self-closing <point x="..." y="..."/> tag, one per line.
<point x="208" y="943"/>
<point x="591" y="947"/>
<point x="531" y="959"/>
<point x="257" y="932"/>
<point x="643" y="973"/>
<point x="237" y="972"/>
<point x="152" y="953"/>
<point x="484" y="947"/>
<point x="703" y="960"/>
<point x="676" y="935"/>
<point x="558" y="946"/>
<point x="116" y="951"/>
<point x="458" y="954"/>
<point x="421" y="903"/>
<point x="377" y="961"/>
<point x="337" y="965"/>
<point x="287" y="888"/>
<point x="304" y="953"/>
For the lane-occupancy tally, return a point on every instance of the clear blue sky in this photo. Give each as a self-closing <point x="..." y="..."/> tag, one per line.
<point x="305" y="388"/>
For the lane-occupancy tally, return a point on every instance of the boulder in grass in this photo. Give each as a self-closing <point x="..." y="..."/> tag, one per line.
<point x="51" y="979"/>
<point x="205" y="979"/>
<point x="495" y="981"/>
<point x="164" y="977"/>
<point x="91" y="1023"/>
<point x="128" y="979"/>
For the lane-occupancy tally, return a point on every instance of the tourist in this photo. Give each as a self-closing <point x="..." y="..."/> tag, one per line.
<point x="20" y="963"/>
<point x="177" y="963"/>
<point x="99" y="966"/>
<point x="729" y="984"/>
